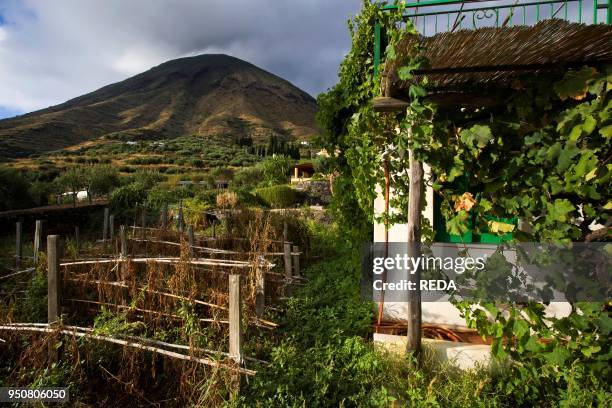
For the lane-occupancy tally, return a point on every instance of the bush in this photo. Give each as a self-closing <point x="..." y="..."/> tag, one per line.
<point x="248" y="177"/>
<point x="124" y="200"/>
<point x="227" y="200"/>
<point x="276" y="169"/>
<point x="13" y="190"/>
<point x="281" y="196"/>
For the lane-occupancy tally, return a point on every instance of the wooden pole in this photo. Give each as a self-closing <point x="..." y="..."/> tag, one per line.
<point x="77" y="239"/>
<point x="296" y="260"/>
<point x="287" y="257"/>
<point x="111" y="226"/>
<point x="124" y="251"/>
<point x="164" y="219"/>
<point x="37" y="240"/>
<point x="190" y="238"/>
<point x="235" y="312"/>
<point x="414" y="251"/>
<point x="53" y="279"/>
<point x="18" y="243"/>
<point x="105" y="225"/>
<point x="143" y="221"/>
<point x="260" y="290"/>
<point x="180" y="219"/>
<point x="285" y="232"/>
<point x="123" y="238"/>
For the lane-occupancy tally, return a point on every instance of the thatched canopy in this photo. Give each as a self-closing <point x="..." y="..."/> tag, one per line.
<point x="498" y="57"/>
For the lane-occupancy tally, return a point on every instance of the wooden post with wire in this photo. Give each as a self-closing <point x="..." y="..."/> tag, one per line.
<point x="260" y="289"/>
<point x="287" y="258"/>
<point x="77" y="239"/>
<point x="190" y="238"/>
<point x="235" y="318"/>
<point x="296" y="260"/>
<point x="111" y="227"/>
<point x="54" y="295"/>
<point x="124" y="251"/>
<point x="143" y="221"/>
<point x="180" y="219"/>
<point x="18" y="243"/>
<point x="37" y="240"/>
<point x="105" y="225"/>
<point x="53" y="279"/>
<point x="164" y="220"/>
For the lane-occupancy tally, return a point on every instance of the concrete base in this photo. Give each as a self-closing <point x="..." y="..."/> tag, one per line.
<point x="465" y="356"/>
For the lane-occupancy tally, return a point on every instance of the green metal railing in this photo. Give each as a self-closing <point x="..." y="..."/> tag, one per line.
<point x="434" y="16"/>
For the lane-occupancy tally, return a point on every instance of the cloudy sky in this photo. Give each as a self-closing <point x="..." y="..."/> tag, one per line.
<point x="51" y="51"/>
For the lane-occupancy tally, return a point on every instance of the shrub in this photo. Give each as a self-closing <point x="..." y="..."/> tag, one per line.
<point x="276" y="169"/>
<point x="13" y="190"/>
<point x="124" y="200"/>
<point x="227" y="200"/>
<point x="248" y="177"/>
<point x="281" y="196"/>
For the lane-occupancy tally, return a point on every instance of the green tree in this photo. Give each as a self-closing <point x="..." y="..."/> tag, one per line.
<point x="101" y="180"/>
<point x="276" y="169"/>
<point x="14" y="190"/>
<point x="72" y="180"/>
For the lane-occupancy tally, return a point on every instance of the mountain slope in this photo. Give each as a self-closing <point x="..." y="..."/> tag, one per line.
<point x="202" y="95"/>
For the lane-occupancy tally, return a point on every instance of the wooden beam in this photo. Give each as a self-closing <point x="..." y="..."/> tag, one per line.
<point x="388" y="104"/>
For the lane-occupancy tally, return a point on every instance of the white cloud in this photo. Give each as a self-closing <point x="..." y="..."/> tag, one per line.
<point x="51" y="51"/>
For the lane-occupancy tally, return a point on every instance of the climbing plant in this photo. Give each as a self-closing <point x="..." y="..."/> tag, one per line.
<point x="542" y="156"/>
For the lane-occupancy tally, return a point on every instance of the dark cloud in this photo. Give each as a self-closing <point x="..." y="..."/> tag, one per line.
<point x="51" y="51"/>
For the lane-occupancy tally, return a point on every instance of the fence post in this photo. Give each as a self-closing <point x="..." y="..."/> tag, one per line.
<point x="37" y="238"/>
<point x="165" y="217"/>
<point x="287" y="248"/>
<point x="53" y="279"/>
<point x="111" y="226"/>
<point x="235" y="312"/>
<point x="296" y="260"/>
<point x="18" y="243"/>
<point x="105" y="225"/>
<point x="124" y="251"/>
<point x="190" y="237"/>
<point x="180" y="219"/>
<point x="285" y="232"/>
<point x="77" y="239"/>
<point x="143" y="221"/>
<point x="260" y="289"/>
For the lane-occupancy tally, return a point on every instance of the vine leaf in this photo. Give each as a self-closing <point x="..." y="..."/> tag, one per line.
<point x="574" y="84"/>
<point x="557" y="356"/>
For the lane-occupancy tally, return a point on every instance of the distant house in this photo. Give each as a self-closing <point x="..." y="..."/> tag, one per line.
<point x="302" y="172"/>
<point x="80" y="195"/>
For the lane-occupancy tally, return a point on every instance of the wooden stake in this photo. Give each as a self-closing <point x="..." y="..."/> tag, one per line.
<point x="18" y="244"/>
<point x="287" y="257"/>
<point x="414" y="251"/>
<point x="111" y="226"/>
<point x="235" y="314"/>
<point x="37" y="240"/>
<point x="296" y="260"/>
<point x="164" y="219"/>
<point x="285" y="232"/>
<point x="190" y="238"/>
<point x="260" y="290"/>
<point x="53" y="279"/>
<point x="77" y="239"/>
<point x="143" y="222"/>
<point x="105" y="225"/>
<point x="180" y="219"/>
<point x="124" y="251"/>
